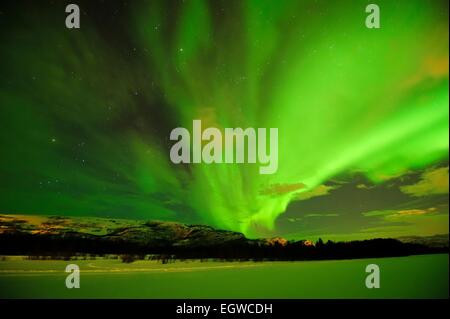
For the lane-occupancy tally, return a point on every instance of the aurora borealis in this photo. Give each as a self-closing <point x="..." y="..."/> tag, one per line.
<point x="362" y="114"/>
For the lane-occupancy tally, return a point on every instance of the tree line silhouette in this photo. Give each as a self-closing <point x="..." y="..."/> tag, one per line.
<point x="64" y="246"/>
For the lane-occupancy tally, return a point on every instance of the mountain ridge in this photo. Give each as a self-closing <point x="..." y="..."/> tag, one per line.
<point x="29" y="234"/>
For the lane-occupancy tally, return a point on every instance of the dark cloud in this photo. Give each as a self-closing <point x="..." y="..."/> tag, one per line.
<point x="357" y="204"/>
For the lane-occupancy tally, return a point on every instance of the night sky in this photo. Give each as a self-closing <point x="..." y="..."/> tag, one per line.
<point x="86" y="114"/>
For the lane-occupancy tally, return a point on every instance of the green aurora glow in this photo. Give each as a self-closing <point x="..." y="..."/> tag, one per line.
<point x="85" y="115"/>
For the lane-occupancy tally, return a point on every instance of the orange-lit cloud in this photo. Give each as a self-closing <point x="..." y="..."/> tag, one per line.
<point x="432" y="182"/>
<point x="320" y="190"/>
<point x="281" y="189"/>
